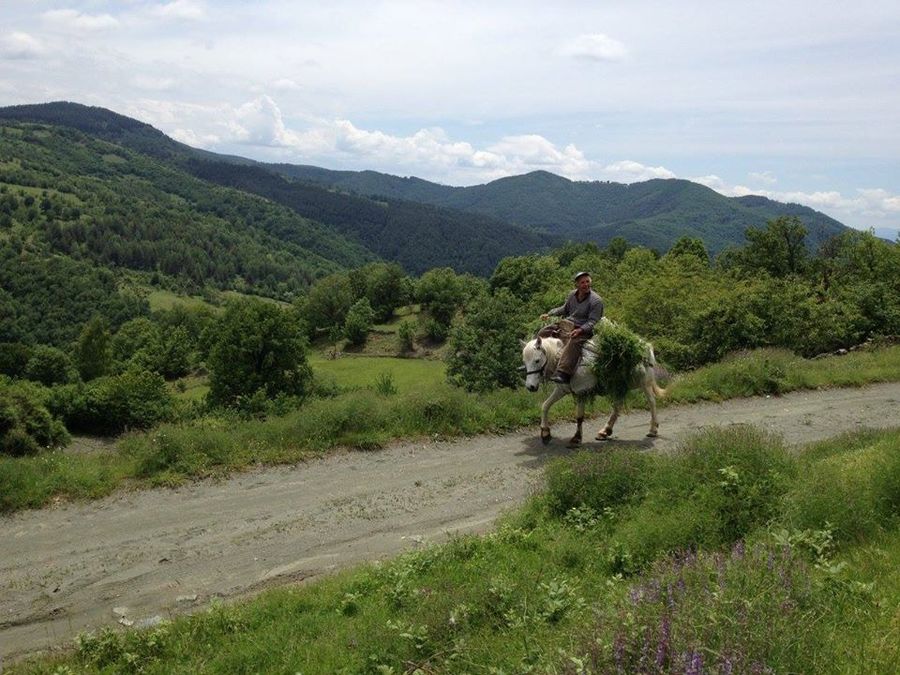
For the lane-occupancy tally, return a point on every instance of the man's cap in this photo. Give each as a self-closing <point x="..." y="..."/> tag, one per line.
<point x="580" y="274"/>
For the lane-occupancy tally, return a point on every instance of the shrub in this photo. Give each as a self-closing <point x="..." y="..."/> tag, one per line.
<point x="484" y="346"/>
<point x="259" y="347"/>
<point x="135" y="399"/>
<point x="13" y="358"/>
<point x="26" y="426"/>
<point x="598" y="481"/>
<point x="358" y="322"/>
<point x="49" y="366"/>
<point x="406" y="333"/>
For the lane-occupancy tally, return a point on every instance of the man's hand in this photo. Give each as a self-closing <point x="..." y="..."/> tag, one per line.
<point x="576" y="332"/>
<point x="545" y="317"/>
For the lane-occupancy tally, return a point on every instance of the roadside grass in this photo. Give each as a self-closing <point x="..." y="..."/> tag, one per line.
<point x="777" y="371"/>
<point x="546" y="591"/>
<point x="374" y="401"/>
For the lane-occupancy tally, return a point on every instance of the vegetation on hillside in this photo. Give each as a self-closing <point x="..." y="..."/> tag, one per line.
<point x="733" y="555"/>
<point x="652" y="213"/>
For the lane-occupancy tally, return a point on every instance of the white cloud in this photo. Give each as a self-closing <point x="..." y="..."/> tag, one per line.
<point x="595" y="47"/>
<point x="259" y="122"/>
<point x="866" y="205"/>
<point x="73" y="20"/>
<point x="180" y="9"/>
<point x="21" y="46"/>
<point x="763" y="177"/>
<point x="629" y="171"/>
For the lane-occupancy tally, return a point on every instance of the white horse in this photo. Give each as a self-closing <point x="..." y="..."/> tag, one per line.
<point x="540" y="357"/>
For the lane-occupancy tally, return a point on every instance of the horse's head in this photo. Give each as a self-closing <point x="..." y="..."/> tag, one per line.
<point x="534" y="358"/>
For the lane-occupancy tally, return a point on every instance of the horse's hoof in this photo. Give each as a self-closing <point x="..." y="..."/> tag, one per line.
<point x="652" y="434"/>
<point x="574" y="442"/>
<point x="545" y="436"/>
<point x="603" y="435"/>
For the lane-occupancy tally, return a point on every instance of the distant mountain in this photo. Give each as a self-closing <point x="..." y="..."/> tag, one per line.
<point x="418" y="236"/>
<point x="654" y="213"/>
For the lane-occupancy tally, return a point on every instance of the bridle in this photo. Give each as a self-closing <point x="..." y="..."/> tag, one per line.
<point x="539" y="369"/>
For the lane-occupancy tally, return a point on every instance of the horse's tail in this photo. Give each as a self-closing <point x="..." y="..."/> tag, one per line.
<point x="657" y="372"/>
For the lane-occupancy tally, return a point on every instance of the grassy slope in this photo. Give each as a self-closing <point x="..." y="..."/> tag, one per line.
<point x="546" y="592"/>
<point x="363" y="415"/>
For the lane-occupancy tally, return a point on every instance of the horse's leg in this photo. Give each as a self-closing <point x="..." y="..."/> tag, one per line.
<point x="650" y="390"/>
<point x="607" y="431"/>
<point x="579" y="418"/>
<point x="557" y="394"/>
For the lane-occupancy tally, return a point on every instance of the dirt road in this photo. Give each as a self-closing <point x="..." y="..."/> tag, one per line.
<point x="135" y="557"/>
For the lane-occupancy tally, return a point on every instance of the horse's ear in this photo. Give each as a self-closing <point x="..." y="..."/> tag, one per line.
<point x="537" y="343"/>
<point x="522" y="342"/>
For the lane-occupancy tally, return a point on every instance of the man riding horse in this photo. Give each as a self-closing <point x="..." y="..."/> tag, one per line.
<point x="584" y="308"/>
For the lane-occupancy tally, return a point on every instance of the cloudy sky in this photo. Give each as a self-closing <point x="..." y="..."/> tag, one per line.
<point x="795" y="100"/>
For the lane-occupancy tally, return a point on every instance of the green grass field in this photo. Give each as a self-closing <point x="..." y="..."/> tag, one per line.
<point x="723" y="557"/>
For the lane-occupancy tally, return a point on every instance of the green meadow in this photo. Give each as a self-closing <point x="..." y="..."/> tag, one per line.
<point x="734" y="554"/>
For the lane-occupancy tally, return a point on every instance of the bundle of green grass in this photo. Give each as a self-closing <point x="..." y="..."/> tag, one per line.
<point x="618" y="352"/>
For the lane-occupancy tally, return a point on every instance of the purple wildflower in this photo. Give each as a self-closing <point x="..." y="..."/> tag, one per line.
<point x="619" y="652"/>
<point x="695" y="667"/>
<point x="662" y="647"/>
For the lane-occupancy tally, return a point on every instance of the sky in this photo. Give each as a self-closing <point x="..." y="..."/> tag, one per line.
<point x="798" y="101"/>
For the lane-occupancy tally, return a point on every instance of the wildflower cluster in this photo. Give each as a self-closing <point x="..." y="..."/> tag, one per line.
<point x="734" y="612"/>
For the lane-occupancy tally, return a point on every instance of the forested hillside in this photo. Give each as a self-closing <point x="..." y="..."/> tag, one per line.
<point x="73" y="207"/>
<point x="418" y="236"/>
<point x="652" y="213"/>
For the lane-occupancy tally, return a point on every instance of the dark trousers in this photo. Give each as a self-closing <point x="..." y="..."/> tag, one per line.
<point x="571" y="353"/>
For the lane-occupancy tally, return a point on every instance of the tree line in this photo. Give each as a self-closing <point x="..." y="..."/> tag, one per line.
<point x="111" y="374"/>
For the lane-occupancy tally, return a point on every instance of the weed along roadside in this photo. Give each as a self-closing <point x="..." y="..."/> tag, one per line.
<point x="412" y="402"/>
<point x="221" y="539"/>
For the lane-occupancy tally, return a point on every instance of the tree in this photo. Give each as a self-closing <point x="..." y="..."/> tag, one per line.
<point x="779" y="248"/>
<point x="358" y="322"/>
<point x="441" y="293"/>
<point x="384" y="285"/>
<point x="327" y="303"/>
<point x="49" y="366"/>
<point x="525" y="276"/>
<point x="689" y="246"/>
<point x="93" y="355"/>
<point x="484" y="350"/>
<point x="260" y="348"/>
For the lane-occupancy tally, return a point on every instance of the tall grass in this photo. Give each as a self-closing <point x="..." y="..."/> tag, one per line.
<point x="538" y="594"/>
<point x="358" y="415"/>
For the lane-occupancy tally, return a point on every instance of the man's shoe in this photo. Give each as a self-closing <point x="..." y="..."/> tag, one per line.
<point x="560" y="377"/>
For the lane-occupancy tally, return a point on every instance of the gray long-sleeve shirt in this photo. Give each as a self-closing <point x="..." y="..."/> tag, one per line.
<point x="583" y="313"/>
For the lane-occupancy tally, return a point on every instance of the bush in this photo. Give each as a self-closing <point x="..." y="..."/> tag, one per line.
<point x="597" y="481"/>
<point x="259" y="347"/>
<point x="484" y="347"/>
<point x="135" y="399"/>
<point x="359" y="322"/>
<point x="26" y="426"/>
<point x="406" y="333"/>
<point x="49" y="366"/>
<point x="13" y="358"/>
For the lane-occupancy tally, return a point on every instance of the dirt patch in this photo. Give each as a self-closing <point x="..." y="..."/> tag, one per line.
<point x="136" y="557"/>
